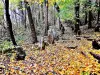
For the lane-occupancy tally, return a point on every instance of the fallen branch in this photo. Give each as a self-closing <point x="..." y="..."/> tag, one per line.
<point x="95" y="55"/>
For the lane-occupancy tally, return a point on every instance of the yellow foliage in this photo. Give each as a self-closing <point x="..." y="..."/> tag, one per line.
<point x="56" y="59"/>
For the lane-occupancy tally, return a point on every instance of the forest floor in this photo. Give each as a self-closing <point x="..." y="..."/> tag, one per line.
<point x="65" y="57"/>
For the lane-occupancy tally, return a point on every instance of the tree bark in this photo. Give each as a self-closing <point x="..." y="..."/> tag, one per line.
<point x="90" y="19"/>
<point x="97" y="5"/>
<point x="22" y="14"/>
<point x="46" y="17"/>
<point x="9" y="23"/>
<point x="77" y="23"/>
<point x="33" y="32"/>
<point x="41" y="13"/>
<point x="90" y="16"/>
<point x="54" y="16"/>
<point x="58" y="11"/>
<point x="98" y="19"/>
<point x="85" y="6"/>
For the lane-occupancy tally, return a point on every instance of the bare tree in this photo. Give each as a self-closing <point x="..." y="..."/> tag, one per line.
<point x="98" y="20"/>
<point x="85" y="6"/>
<point x="46" y="17"/>
<point x="97" y="28"/>
<point x="89" y="15"/>
<point x="33" y="32"/>
<point x="77" y="20"/>
<point x="9" y="23"/>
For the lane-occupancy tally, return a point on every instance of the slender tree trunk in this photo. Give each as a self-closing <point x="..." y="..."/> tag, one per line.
<point x="41" y="13"/>
<point x="46" y="17"/>
<point x="15" y="17"/>
<point x="24" y="14"/>
<point x="90" y="16"/>
<point x="59" y="23"/>
<point x="9" y="23"/>
<point x="98" y="19"/>
<point x="54" y="16"/>
<point x="77" y="23"/>
<point x="90" y="19"/>
<point x="97" y="27"/>
<point x="85" y="17"/>
<point x="58" y="11"/>
<point x="85" y="6"/>
<point x="20" y="7"/>
<point x="33" y="32"/>
<point x="25" y="20"/>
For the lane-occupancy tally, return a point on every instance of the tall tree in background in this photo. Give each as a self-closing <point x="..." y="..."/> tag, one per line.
<point x="58" y="11"/>
<point x="54" y="15"/>
<point x="77" y="20"/>
<point x="85" y="6"/>
<point x="89" y="15"/>
<point x="61" y="27"/>
<point x="41" y="13"/>
<point x="98" y="19"/>
<point x="46" y="17"/>
<point x="32" y="26"/>
<point x="97" y="27"/>
<point x="22" y="17"/>
<point x="9" y="23"/>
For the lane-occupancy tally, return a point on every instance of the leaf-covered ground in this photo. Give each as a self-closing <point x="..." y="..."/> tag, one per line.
<point x="56" y="59"/>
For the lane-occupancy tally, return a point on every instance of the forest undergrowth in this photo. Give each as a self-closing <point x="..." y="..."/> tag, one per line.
<point x="56" y="59"/>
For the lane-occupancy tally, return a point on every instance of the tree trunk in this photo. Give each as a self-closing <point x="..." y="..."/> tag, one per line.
<point x="20" y="7"/>
<point x="98" y="19"/>
<point x="58" y="11"/>
<point x="97" y="27"/>
<point x="33" y="32"/>
<point x="41" y="13"/>
<point x="77" y="24"/>
<point x="90" y="19"/>
<point x="90" y="16"/>
<point x="15" y="17"/>
<point x="85" y="17"/>
<point x="54" y="16"/>
<point x="46" y="17"/>
<point x="9" y="23"/>
<point x="85" y="13"/>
